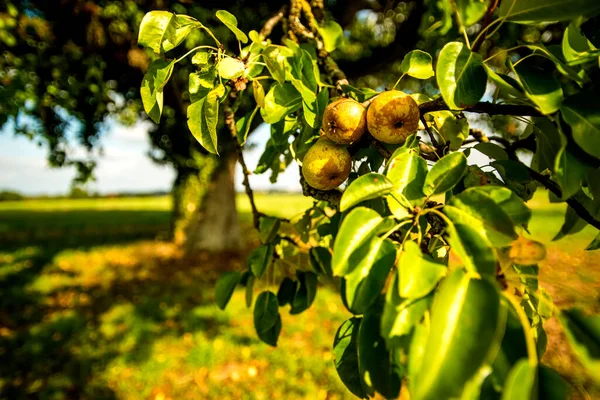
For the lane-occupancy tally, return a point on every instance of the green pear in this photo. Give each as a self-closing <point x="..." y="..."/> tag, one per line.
<point x="344" y="121"/>
<point x="326" y="165"/>
<point x="392" y="117"/>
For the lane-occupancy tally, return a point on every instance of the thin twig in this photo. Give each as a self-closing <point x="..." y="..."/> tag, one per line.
<point x="434" y="141"/>
<point x="482" y="108"/>
<point x="486" y="21"/>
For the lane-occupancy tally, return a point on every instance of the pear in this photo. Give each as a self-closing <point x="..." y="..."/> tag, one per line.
<point x="392" y="117"/>
<point x="326" y="165"/>
<point x="344" y="121"/>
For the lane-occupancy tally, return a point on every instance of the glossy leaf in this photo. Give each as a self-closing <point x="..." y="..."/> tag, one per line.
<point x="345" y="353"/>
<point x="225" y="286"/>
<point x="267" y="320"/>
<point x="539" y="84"/>
<point x="594" y="244"/>
<point x="407" y="172"/>
<point x="506" y="84"/>
<point x="260" y="259"/>
<point x="418" y="273"/>
<point x="552" y="386"/>
<point x="416" y="351"/>
<point x="467" y="324"/>
<point x="576" y="47"/>
<point x="201" y="83"/>
<point x="520" y="383"/>
<point x="569" y="171"/>
<point x="244" y="124"/>
<point x="546" y="10"/>
<point x="357" y="228"/>
<point x="373" y="262"/>
<point x="471" y="244"/>
<point x="375" y="361"/>
<point x="249" y="291"/>
<point x="275" y="59"/>
<point x="477" y="210"/>
<point x="368" y="186"/>
<point x="268" y="228"/>
<point x="286" y="292"/>
<point x="200" y="58"/>
<point x="203" y="116"/>
<point x="230" y="21"/>
<point x="508" y="201"/>
<point x="151" y="91"/>
<point x="417" y="64"/>
<point x="163" y="31"/>
<point x="401" y="315"/>
<point x="460" y="75"/>
<point x="492" y="150"/>
<point x="445" y="174"/>
<point x="332" y="34"/>
<point x="583" y="334"/>
<point x="320" y="259"/>
<point x="452" y="129"/>
<point x="471" y="11"/>
<point x="305" y="292"/>
<point x="280" y="101"/>
<point x="582" y="112"/>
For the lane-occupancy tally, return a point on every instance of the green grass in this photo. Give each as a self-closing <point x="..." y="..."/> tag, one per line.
<point x="93" y="306"/>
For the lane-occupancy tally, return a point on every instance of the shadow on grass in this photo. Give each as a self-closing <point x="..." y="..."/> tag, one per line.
<point x="74" y="298"/>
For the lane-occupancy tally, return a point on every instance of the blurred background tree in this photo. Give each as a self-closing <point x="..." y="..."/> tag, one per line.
<point x="69" y="68"/>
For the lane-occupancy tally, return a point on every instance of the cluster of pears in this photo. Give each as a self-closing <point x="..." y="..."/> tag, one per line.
<point x="390" y="118"/>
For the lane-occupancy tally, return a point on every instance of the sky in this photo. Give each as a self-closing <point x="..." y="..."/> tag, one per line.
<point x="124" y="165"/>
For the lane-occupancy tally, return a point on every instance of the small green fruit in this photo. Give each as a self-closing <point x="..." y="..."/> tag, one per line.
<point x="392" y="117"/>
<point x="326" y="165"/>
<point x="344" y="121"/>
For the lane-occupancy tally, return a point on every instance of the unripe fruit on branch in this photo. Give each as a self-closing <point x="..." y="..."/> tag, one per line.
<point x="326" y="165"/>
<point x="344" y="121"/>
<point x="392" y="117"/>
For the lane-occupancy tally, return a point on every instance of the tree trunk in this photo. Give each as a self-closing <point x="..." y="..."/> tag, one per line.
<point x="210" y="219"/>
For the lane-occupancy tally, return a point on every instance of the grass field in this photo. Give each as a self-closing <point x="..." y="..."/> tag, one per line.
<point x="95" y="305"/>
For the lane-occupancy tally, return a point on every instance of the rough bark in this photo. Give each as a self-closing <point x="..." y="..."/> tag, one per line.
<point x="214" y="225"/>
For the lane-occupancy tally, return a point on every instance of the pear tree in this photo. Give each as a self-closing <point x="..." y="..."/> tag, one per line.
<point x="416" y="237"/>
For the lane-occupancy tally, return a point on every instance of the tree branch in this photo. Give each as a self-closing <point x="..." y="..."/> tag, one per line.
<point x="486" y="21"/>
<point x="482" y="108"/>
<point x="272" y="22"/>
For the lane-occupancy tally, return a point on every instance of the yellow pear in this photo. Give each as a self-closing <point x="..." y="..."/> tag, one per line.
<point x="392" y="117"/>
<point x="344" y="121"/>
<point x="326" y="165"/>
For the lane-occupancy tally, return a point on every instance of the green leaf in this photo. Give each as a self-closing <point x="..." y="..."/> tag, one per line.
<point x="358" y="227"/>
<point x="163" y="31"/>
<point x="373" y="262"/>
<point x="416" y="351"/>
<point x="540" y="84"/>
<point x="546" y="10"/>
<point x="201" y="83"/>
<point x="576" y="47"/>
<point x="249" y="291"/>
<point x="417" y="64"/>
<point x="582" y="112"/>
<point x="552" y="385"/>
<point x="244" y="124"/>
<point x="475" y="209"/>
<point x="445" y="174"/>
<point x="520" y="383"/>
<point x="366" y="187"/>
<point x="332" y="34"/>
<point x="460" y="75"/>
<point x="595" y="244"/>
<point x="203" y="116"/>
<point x="512" y="204"/>
<point x="407" y="172"/>
<point x="305" y="293"/>
<point x="345" y="353"/>
<point x="467" y="324"/>
<point x="418" y="273"/>
<point x="491" y="150"/>
<point x="259" y="93"/>
<point x="471" y="11"/>
<point x="268" y="228"/>
<point x="401" y="315"/>
<point x="573" y="223"/>
<point x="151" y="91"/>
<point x="286" y="292"/>
<point x="280" y="101"/>
<point x="230" y="68"/>
<point x="375" y="361"/>
<point x="548" y="143"/>
<point x="506" y="84"/>
<point x="583" y="334"/>
<point x="200" y="58"/>
<point x="260" y="259"/>
<point x="267" y="320"/>
<point x="570" y="172"/>
<point x="275" y="58"/>
<point x="320" y="259"/>
<point x="225" y="286"/>
<point x="452" y="129"/>
<point x="230" y="21"/>
<point x="471" y="244"/>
